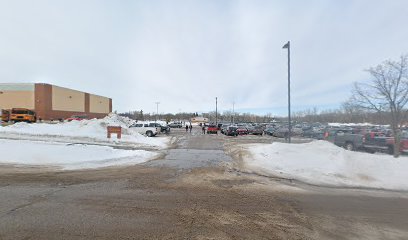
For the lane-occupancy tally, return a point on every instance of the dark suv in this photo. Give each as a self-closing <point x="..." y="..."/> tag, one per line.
<point x="231" y="131"/>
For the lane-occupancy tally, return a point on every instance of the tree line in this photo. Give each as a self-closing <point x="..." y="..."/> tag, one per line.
<point x="226" y="116"/>
<point x="382" y="99"/>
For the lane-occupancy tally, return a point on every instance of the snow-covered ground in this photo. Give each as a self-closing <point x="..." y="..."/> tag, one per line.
<point x="56" y="144"/>
<point x="323" y="163"/>
<point x="68" y="156"/>
<point x="355" y="125"/>
<point x="93" y="130"/>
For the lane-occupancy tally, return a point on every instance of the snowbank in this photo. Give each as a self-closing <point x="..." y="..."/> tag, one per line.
<point x="323" y="163"/>
<point x="68" y="157"/>
<point x="94" y="129"/>
<point x="355" y="125"/>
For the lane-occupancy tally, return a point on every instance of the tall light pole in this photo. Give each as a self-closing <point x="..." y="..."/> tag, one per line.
<point x="216" y="111"/>
<point x="287" y="46"/>
<point x="233" y="112"/>
<point x="157" y="110"/>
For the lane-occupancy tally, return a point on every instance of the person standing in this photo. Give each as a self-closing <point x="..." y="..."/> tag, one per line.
<point x="191" y="127"/>
<point x="203" y="129"/>
<point x="186" y="128"/>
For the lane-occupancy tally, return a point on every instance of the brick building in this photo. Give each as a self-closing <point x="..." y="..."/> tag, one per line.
<point x="51" y="102"/>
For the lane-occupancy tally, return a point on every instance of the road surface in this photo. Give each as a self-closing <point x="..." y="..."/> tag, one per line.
<point x="194" y="192"/>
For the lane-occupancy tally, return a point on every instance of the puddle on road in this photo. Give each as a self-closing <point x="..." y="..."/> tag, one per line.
<point x="195" y="150"/>
<point x="192" y="158"/>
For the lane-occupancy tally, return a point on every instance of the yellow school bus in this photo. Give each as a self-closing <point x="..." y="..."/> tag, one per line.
<point x="22" y="115"/>
<point x="4" y="115"/>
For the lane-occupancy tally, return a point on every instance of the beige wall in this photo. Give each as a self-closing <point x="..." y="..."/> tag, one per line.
<point x="64" y="99"/>
<point x="16" y="99"/>
<point x="98" y="104"/>
<point x="16" y="95"/>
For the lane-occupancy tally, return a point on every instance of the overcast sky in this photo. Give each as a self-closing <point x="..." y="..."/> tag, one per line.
<point x="183" y="54"/>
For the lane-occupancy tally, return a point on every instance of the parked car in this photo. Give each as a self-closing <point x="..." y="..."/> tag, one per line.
<point x="143" y="128"/>
<point x="297" y="131"/>
<point x="257" y="130"/>
<point x="379" y="142"/>
<point x="224" y="128"/>
<point x="314" y="133"/>
<point x="163" y="129"/>
<point x="242" y="130"/>
<point x="231" y="131"/>
<point x="175" y="125"/>
<point x="212" y="129"/>
<point x="281" y="132"/>
<point x="269" y="131"/>
<point x="77" y="118"/>
<point x="345" y="138"/>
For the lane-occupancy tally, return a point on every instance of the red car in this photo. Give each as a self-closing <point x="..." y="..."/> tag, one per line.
<point x="403" y="145"/>
<point x="77" y="118"/>
<point x="212" y="129"/>
<point x="241" y="130"/>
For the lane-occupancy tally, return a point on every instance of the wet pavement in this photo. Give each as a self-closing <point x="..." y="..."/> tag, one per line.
<point x="189" y="194"/>
<point x="194" y="150"/>
<point x="192" y="158"/>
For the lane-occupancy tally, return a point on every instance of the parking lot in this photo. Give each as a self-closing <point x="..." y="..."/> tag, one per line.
<point x="196" y="190"/>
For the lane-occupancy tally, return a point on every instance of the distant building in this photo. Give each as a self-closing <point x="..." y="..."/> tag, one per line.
<point x="199" y="120"/>
<point x="51" y="102"/>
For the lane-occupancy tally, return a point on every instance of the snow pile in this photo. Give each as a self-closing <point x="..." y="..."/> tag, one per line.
<point x="68" y="157"/>
<point x="323" y="163"/>
<point x="355" y="125"/>
<point x="161" y="122"/>
<point x="94" y="129"/>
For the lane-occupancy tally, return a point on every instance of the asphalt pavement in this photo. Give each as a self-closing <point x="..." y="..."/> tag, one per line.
<point x="193" y="192"/>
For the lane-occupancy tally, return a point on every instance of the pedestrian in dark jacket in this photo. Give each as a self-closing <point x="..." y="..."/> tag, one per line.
<point x="186" y="128"/>
<point x="203" y="129"/>
<point x="191" y="127"/>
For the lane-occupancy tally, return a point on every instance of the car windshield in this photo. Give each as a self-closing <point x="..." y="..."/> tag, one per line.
<point x="20" y="112"/>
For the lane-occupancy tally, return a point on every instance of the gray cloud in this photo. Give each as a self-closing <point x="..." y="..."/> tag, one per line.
<point x="186" y="53"/>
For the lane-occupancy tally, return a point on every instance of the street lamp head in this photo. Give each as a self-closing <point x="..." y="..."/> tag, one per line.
<point x="287" y="45"/>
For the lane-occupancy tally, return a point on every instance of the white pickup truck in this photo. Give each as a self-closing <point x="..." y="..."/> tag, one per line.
<point x="143" y="128"/>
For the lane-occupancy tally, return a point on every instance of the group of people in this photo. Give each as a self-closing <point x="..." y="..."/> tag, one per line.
<point x="189" y="127"/>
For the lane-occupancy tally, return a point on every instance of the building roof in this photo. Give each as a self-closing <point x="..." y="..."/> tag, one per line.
<point x="17" y="86"/>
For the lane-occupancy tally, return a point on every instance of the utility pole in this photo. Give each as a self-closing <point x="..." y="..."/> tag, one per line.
<point x="287" y="46"/>
<point x="233" y="112"/>
<point x="157" y="111"/>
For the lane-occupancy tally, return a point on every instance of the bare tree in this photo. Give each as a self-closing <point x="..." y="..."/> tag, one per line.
<point x="386" y="92"/>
